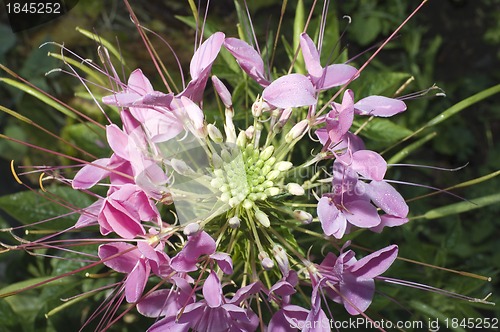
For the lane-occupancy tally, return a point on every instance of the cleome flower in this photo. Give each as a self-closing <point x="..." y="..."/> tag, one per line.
<point x="214" y="222"/>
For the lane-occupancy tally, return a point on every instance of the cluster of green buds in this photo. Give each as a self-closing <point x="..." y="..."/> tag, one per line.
<point x="245" y="175"/>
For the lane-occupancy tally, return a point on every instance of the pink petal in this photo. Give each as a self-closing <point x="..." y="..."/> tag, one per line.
<point x="369" y="164"/>
<point x="126" y="256"/>
<point x="169" y="324"/>
<point x="311" y="56"/>
<point x="155" y="98"/>
<point x="322" y="135"/>
<point x="212" y="291"/>
<point x="362" y="214"/>
<point x="122" y="99"/>
<point x="197" y="245"/>
<point x="375" y="264"/>
<point x="280" y="323"/>
<point x="244" y="292"/>
<point x="282" y="288"/>
<point x="315" y="319"/>
<point x="117" y="140"/>
<point x="293" y="90"/>
<point x="88" y="216"/>
<point x="138" y="83"/>
<point x="136" y="281"/>
<point x="352" y="142"/>
<point x="248" y="59"/>
<point x="224" y="261"/>
<point x="389" y="221"/>
<point x="379" y="106"/>
<point x="358" y="292"/>
<point x="337" y="128"/>
<point x="159" y="303"/>
<point x="161" y="127"/>
<point x="335" y="75"/>
<point x="387" y="198"/>
<point x="205" y="55"/>
<point x="188" y="113"/>
<point x="332" y="221"/>
<point x="120" y="221"/>
<point x="91" y="174"/>
<point x="192" y="314"/>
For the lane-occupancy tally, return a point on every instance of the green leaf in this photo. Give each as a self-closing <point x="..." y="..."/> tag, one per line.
<point x="32" y="206"/>
<point x="383" y="130"/>
<point x="298" y="28"/>
<point x="103" y="42"/>
<point x="7" y="40"/>
<point x="462" y="206"/>
<point x="11" y="150"/>
<point x="34" y="92"/>
<point x="458" y="107"/>
<point x="88" y="137"/>
<point x="403" y="153"/>
<point x="431" y="312"/>
<point x="383" y="83"/>
<point x="366" y="29"/>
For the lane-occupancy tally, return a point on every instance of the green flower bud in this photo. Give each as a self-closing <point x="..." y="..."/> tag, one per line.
<point x="283" y="166"/>
<point x="214" y="134"/>
<point x="242" y="139"/>
<point x="295" y="189"/>
<point x="247" y="204"/>
<point x="262" y="218"/>
<point x="273" y="191"/>
<point x="273" y="175"/>
<point x="217" y="161"/>
<point x="267" y="153"/>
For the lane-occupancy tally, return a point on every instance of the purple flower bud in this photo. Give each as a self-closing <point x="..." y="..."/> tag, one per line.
<point x="297" y="131"/>
<point x="234" y="222"/>
<point x="191" y="229"/>
<point x="267" y="263"/>
<point x="303" y="216"/>
<point x="222" y="91"/>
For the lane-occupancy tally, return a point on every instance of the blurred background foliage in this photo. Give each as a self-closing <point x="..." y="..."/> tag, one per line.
<point x="451" y="43"/>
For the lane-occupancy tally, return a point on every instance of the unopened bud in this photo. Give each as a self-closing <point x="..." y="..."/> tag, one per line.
<point x="214" y="133"/>
<point x="303" y="216"/>
<point x="283" y="166"/>
<point x="226" y="156"/>
<point x="217" y="161"/>
<point x="191" y="229"/>
<point x="273" y="175"/>
<point x="181" y="167"/>
<point x="222" y="91"/>
<point x="242" y="139"/>
<point x="273" y="191"/>
<point x="257" y="107"/>
<point x="247" y="204"/>
<point x="295" y="189"/>
<point x="267" y="263"/>
<point x="287" y="112"/>
<point x="282" y="259"/>
<point x="267" y="153"/>
<point x="297" y="131"/>
<point x="249" y="132"/>
<point x="262" y="218"/>
<point x="234" y="222"/>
